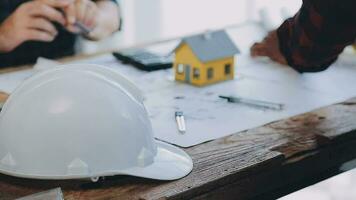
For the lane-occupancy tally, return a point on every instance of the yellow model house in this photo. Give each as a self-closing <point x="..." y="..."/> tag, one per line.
<point x="205" y="59"/>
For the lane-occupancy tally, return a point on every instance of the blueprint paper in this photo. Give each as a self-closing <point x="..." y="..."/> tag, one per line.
<point x="209" y="117"/>
<point x="9" y="81"/>
<point x="44" y="64"/>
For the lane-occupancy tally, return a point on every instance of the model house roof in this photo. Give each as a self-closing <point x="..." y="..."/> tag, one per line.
<point x="211" y="45"/>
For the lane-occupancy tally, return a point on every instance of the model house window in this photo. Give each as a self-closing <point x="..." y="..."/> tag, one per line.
<point x="180" y="68"/>
<point x="227" y="69"/>
<point x="196" y="73"/>
<point x="210" y="73"/>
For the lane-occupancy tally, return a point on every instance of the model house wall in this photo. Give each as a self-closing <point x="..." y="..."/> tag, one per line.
<point x="205" y="59"/>
<point x="188" y="68"/>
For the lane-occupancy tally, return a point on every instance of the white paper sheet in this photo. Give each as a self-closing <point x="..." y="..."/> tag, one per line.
<point x="207" y="116"/>
<point x="9" y="81"/>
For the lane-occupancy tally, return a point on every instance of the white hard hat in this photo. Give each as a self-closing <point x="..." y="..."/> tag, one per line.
<point x="83" y="121"/>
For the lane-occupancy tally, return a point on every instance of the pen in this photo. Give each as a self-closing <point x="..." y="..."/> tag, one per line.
<point x="84" y="29"/>
<point x="253" y="102"/>
<point x="180" y="122"/>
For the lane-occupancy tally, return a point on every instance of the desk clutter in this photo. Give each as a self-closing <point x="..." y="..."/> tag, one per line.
<point x="206" y="115"/>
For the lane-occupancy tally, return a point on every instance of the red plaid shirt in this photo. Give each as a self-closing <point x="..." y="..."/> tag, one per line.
<point x="318" y="33"/>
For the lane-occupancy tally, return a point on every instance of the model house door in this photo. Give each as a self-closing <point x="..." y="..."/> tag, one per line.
<point x="187" y="73"/>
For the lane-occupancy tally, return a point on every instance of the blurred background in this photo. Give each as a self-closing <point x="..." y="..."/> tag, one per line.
<point x="155" y="20"/>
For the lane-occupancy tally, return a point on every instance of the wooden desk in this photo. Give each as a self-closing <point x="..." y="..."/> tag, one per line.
<point x="261" y="163"/>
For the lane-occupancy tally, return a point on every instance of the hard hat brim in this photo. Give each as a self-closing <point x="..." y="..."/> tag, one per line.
<point x="170" y="163"/>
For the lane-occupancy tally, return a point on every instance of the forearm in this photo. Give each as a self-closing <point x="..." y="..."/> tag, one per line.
<point x="108" y="19"/>
<point x="312" y="40"/>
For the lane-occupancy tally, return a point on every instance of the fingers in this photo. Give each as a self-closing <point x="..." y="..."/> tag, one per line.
<point x="81" y="8"/>
<point x="263" y="49"/>
<point x="43" y="10"/>
<point x="280" y="60"/>
<point x="70" y="13"/>
<point x="43" y="25"/>
<point x="90" y="16"/>
<point x="57" y="3"/>
<point x="73" y="29"/>
<point x="83" y="11"/>
<point x="258" y="49"/>
<point x="38" y="35"/>
<point x="75" y="12"/>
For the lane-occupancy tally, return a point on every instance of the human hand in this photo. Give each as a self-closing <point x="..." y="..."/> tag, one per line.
<point x="81" y="11"/>
<point x="31" y="21"/>
<point x="269" y="47"/>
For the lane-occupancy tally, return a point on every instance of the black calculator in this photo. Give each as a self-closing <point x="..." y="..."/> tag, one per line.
<point x="144" y="59"/>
